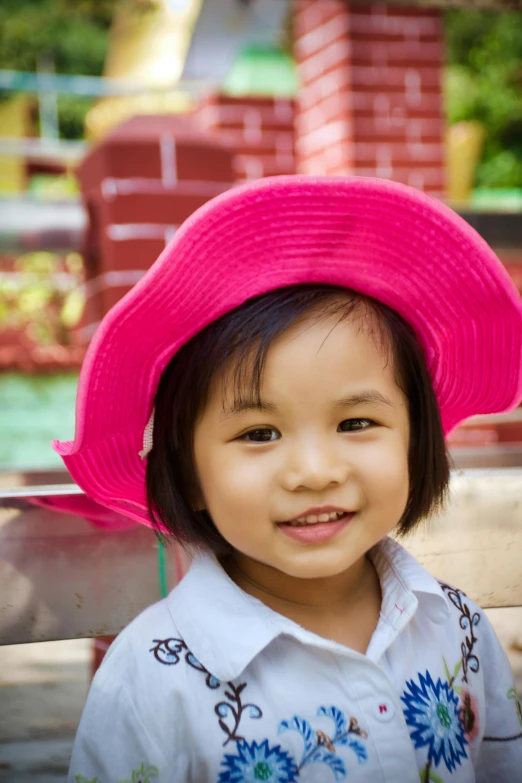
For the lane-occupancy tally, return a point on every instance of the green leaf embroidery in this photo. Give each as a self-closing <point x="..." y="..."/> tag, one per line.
<point x="143" y="774"/>
<point x="432" y="776"/>
<point x="456" y="670"/>
<point x="512" y="694"/>
<point x="457" y="667"/>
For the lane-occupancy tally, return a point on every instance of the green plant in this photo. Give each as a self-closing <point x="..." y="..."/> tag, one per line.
<point x="72" y="34"/>
<point x="484" y="82"/>
<point x="42" y="297"/>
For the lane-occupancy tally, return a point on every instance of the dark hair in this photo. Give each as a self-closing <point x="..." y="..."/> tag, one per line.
<point x="246" y="334"/>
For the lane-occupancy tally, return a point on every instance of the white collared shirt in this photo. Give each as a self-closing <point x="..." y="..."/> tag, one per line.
<point x="211" y="686"/>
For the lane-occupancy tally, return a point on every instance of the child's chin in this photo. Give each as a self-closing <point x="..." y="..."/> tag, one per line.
<point x="316" y="566"/>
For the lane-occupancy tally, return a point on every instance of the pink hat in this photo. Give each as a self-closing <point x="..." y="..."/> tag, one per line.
<point x="383" y="239"/>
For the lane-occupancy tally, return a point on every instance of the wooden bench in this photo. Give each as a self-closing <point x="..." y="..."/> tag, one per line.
<point x="63" y="578"/>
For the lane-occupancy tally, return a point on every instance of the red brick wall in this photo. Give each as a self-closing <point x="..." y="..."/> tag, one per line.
<point x="371" y="96"/>
<point x="139" y="185"/>
<point x="260" y="131"/>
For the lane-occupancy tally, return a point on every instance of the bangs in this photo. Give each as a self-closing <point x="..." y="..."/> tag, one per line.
<point x="240" y="371"/>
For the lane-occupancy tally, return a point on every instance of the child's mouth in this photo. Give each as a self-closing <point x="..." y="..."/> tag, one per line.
<point x="307" y="530"/>
<point x="314" y="519"/>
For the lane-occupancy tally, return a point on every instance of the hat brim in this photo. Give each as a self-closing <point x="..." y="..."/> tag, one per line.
<point x="384" y="239"/>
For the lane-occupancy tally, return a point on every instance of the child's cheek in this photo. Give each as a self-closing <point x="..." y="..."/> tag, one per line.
<point x="237" y="484"/>
<point x="382" y="469"/>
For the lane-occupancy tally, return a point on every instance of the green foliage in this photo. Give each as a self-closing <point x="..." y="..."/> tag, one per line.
<point x="484" y="82"/>
<point x="43" y="297"/>
<point x="71" y="115"/>
<point x="73" y="34"/>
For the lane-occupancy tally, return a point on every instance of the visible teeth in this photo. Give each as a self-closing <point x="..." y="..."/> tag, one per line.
<point x="314" y="519"/>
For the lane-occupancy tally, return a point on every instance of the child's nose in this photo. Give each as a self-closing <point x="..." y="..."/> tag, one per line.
<point x="313" y="466"/>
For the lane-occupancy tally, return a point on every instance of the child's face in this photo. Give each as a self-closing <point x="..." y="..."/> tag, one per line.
<point x="333" y="432"/>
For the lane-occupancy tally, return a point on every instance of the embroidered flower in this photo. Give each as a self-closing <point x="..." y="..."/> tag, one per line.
<point x="258" y="763"/>
<point x="320" y="747"/>
<point x="433" y="711"/>
<point x="469" y="715"/>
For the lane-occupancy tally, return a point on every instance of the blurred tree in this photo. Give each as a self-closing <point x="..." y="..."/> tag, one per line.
<point x="72" y="34"/>
<point x="43" y="297"/>
<point x="484" y="82"/>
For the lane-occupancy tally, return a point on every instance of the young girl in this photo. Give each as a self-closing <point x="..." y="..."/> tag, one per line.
<point x="274" y="395"/>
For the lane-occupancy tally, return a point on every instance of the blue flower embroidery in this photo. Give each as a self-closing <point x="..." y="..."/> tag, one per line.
<point x="258" y="761"/>
<point x="254" y="763"/>
<point x="319" y="747"/>
<point x="432" y="709"/>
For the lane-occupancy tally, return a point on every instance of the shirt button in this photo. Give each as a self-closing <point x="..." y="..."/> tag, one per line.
<point x="385" y="710"/>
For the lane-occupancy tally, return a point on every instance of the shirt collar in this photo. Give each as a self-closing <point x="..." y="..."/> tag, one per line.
<point x="401" y="576"/>
<point x="227" y="632"/>
<point x="224" y="627"/>
<point x="405" y="585"/>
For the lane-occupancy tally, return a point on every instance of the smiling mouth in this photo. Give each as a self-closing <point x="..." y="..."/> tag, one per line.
<point x="316" y="519"/>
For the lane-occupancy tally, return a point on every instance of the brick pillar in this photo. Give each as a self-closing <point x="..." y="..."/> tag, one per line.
<point x="260" y="130"/>
<point x="139" y="184"/>
<point x="370" y="102"/>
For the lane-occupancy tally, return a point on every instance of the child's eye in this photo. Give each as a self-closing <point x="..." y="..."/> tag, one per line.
<point x="354" y="425"/>
<point x="261" y="435"/>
